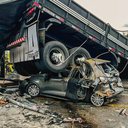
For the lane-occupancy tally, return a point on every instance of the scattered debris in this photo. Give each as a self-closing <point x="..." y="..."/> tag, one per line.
<point x="29" y="106"/>
<point x="73" y="120"/>
<point x="48" y="103"/>
<point x="3" y="101"/>
<point x="123" y="112"/>
<point x="57" y="118"/>
<point x="42" y="115"/>
<point x="110" y="120"/>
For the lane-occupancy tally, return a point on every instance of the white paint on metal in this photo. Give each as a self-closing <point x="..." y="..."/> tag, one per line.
<point x="78" y="16"/>
<point x="87" y="22"/>
<point x="117" y="42"/>
<point x="33" y="52"/>
<point x="29" y="50"/>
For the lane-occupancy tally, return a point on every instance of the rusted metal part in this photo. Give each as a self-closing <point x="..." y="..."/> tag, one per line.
<point x="106" y="93"/>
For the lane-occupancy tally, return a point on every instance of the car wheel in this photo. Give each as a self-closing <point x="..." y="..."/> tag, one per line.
<point x="53" y="57"/>
<point x="81" y="93"/>
<point x="33" y="90"/>
<point x="97" y="100"/>
<point x="78" y="53"/>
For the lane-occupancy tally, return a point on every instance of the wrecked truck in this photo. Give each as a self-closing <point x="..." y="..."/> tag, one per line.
<point x="93" y="80"/>
<point x="42" y="34"/>
<point x="48" y="37"/>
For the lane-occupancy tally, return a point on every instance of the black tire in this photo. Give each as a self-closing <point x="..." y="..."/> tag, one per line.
<point x="81" y="93"/>
<point x="88" y="95"/>
<point x="81" y="52"/>
<point x="49" y="57"/>
<point x="33" y="90"/>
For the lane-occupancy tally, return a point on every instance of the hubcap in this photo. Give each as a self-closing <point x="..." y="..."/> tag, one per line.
<point x="57" y="56"/>
<point x="33" y="90"/>
<point x="97" y="100"/>
<point x="78" y="58"/>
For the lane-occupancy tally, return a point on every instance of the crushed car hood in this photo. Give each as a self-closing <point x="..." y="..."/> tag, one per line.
<point x="96" y="61"/>
<point x="97" y="72"/>
<point x="10" y="13"/>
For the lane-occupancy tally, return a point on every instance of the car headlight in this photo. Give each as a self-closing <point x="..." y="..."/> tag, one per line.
<point x="103" y="79"/>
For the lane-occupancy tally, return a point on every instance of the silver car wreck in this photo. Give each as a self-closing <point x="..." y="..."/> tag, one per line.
<point x="92" y="80"/>
<point x="107" y="82"/>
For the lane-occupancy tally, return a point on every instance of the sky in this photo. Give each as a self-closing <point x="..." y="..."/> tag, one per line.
<point x="114" y="12"/>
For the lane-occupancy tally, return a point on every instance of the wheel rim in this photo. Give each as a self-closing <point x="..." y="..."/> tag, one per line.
<point x="56" y="56"/>
<point x="33" y="90"/>
<point x="81" y="93"/>
<point x="97" y="100"/>
<point x="78" y="57"/>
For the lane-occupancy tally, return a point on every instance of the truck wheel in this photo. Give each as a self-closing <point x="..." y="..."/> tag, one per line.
<point x="54" y="55"/>
<point x="33" y="90"/>
<point x="75" y="54"/>
<point x="97" y="100"/>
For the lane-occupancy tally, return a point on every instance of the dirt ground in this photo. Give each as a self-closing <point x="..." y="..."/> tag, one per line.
<point x="65" y="114"/>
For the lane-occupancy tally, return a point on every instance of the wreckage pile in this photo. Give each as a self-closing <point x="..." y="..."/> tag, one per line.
<point x="26" y="112"/>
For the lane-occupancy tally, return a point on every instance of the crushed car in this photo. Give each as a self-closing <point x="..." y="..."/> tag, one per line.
<point x="94" y="80"/>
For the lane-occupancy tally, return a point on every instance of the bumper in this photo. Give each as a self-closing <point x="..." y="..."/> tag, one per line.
<point x="118" y="90"/>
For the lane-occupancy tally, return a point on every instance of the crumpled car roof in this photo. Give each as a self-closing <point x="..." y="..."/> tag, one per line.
<point x="10" y="13"/>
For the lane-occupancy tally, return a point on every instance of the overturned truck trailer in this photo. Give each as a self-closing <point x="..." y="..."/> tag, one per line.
<point x="48" y="35"/>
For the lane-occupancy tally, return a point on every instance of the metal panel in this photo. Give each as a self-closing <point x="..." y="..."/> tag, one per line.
<point x="65" y="1"/>
<point x="89" y="23"/>
<point x="29" y="50"/>
<point x="56" y="9"/>
<point x="16" y="55"/>
<point x="115" y="40"/>
<point x="97" y="22"/>
<point x="76" y="22"/>
<point x="123" y="39"/>
<point x="33" y="48"/>
<point x="79" y="10"/>
<point x="78" y="16"/>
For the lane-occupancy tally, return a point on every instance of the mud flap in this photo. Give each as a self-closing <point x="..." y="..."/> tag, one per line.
<point x="29" y="49"/>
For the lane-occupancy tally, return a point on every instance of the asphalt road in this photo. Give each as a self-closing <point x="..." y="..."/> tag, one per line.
<point x="112" y="115"/>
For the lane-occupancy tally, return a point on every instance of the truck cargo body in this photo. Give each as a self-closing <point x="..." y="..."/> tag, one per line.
<point x="88" y="25"/>
<point x="67" y="22"/>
